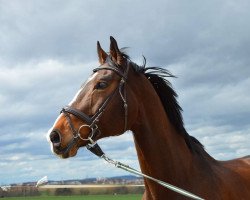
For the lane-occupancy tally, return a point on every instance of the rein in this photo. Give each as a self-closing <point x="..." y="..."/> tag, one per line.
<point x="136" y="172"/>
<point x="91" y="123"/>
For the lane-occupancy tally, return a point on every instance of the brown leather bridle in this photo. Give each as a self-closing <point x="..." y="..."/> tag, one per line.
<point x="91" y="121"/>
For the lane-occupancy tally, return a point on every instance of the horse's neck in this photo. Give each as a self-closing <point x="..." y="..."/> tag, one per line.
<point x="162" y="152"/>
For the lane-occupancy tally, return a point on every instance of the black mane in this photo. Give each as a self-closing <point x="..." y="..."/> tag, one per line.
<point x="157" y="77"/>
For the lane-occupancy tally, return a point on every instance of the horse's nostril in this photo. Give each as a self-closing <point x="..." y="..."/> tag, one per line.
<point x="55" y="138"/>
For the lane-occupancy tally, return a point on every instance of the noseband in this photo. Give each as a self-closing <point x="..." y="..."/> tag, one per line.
<point x="91" y="121"/>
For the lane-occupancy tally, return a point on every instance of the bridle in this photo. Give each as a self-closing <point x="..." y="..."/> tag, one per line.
<point x="91" y="121"/>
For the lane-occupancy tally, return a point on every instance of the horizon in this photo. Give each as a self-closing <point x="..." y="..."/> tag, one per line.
<point x="129" y="177"/>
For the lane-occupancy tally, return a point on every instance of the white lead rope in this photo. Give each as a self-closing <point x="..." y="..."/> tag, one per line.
<point x="136" y="172"/>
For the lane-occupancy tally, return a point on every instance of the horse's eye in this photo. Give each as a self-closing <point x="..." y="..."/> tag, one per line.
<point x="101" y="85"/>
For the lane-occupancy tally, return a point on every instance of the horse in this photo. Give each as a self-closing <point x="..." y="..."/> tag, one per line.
<point x="121" y="95"/>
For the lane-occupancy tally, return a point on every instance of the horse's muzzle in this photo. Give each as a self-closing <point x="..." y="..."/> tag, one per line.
<point x="55" y="138"/>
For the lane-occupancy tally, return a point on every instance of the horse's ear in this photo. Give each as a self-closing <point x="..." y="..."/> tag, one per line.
<point x="102" y="55"/>
<point x="115" y="52"/>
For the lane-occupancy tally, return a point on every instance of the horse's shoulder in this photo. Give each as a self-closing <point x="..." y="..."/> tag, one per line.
<point x="243" y="162"/>
<point x="246" y="160"/>
<point x="238" y="162"/>
<point x="241" y="166"/>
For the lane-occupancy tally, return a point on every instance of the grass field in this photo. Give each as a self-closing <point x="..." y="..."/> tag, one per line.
<point x="87" y="197"/>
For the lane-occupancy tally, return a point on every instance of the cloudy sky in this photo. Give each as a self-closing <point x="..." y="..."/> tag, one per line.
<point x="48" y="48"/>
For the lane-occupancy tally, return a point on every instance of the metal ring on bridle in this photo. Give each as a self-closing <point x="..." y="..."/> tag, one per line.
<point x="89" y="137"/>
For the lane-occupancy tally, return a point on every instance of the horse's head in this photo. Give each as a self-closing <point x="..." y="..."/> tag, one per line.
<point x="102" y="107"/>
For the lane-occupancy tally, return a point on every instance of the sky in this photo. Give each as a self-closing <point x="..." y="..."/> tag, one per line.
<point x="48" y="49"/>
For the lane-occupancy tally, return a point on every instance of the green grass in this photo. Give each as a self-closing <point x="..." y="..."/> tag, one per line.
<point x="87" y="197"/>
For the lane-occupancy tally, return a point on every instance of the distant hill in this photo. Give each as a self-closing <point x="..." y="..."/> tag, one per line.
<point x="127" y="179"/>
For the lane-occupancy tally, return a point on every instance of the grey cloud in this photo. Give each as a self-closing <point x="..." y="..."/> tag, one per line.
<point x="172" y="31"/>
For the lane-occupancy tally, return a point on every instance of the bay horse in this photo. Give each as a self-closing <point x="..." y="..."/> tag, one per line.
<point x="121" y="96"/>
